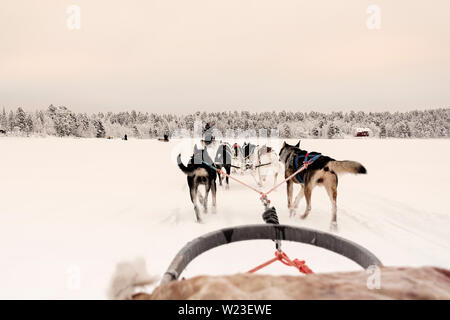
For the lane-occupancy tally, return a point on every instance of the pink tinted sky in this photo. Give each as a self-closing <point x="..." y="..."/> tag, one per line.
<point x="182" y="56"/>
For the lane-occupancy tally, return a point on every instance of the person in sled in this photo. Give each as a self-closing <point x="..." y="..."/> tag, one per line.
<point x="208" y="137"/>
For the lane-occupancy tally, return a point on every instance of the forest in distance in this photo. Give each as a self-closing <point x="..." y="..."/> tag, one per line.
<point x="62" y="122"/>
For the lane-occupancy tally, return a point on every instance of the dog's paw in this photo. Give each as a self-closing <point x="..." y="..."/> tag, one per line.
<point x="199" y="220"/>
<point x="292" y="213"/>
<point x="333" y="226"/>
<point x="213" y="210"/>
<point x="227" y="187"/>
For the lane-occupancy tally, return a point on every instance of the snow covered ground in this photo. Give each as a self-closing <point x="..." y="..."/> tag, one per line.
<point x="70" y="209"/>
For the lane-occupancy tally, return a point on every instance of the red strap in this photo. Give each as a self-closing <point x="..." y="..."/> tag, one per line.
<point x="282" y="257"/>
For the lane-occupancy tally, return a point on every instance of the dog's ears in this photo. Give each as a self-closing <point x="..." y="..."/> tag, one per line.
<point x="284" y="144"/>
<point x="298" y="144"/>
<point x="195" y="148"/>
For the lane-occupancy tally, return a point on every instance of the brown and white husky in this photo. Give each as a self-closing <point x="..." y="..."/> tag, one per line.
<point x="199" y="172"/>
<point x="323" y="171"/>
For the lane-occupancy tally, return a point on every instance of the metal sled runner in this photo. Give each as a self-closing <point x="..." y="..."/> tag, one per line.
<point x="328" y="241"/>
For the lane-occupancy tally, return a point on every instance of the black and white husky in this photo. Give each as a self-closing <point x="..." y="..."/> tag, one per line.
<point x="199" y="173"/>
<point x="248" y="151"/>
<point x="322" y="172"/>
<point x="222" y="161"/>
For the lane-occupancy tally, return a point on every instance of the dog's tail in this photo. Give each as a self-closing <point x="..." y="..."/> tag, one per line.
<point x="127" y="277"/>
<point x="346" y="166"/>
<point x="182" y="166"/>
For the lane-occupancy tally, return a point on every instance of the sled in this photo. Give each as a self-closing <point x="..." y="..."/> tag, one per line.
<point x="194" y="248"/>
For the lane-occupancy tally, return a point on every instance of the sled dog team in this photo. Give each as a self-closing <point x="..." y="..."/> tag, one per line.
<point x="262" y="161"/>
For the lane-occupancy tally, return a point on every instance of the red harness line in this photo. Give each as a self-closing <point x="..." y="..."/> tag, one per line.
<point x="263" y="194"/>
<point x="282" y="257"/>
<point x="237" y="180"/>
<point x="279" y="255"/>
<point x="305" y="165"/>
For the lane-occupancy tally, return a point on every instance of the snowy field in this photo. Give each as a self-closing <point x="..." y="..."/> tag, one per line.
<point x="72" y="208"/>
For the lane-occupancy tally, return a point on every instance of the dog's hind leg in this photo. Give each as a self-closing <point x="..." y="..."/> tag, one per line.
<point x="307" y="190"/>
<point x="220" y="177"/>
<point x="331" y="187"/>
<point x="213" y="194"/>
<point x="193" y="188"/>
<point x="290" y="189"/>
<point x="205" y="200"/>
<point x="299" y="197"/>
<point x="253" y="174"/>
<point x="201" y="199"/>
<point x="275" y="177"/>
<point x="260" y="179"/>
<point x="228" y="170"/>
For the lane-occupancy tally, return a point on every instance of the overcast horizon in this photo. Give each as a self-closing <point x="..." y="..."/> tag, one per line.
<point x="208" y="55"/>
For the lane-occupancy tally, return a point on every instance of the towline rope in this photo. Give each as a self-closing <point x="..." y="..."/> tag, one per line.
<point x="270" y="216"/>
<point x="263" y="195"/>
<point x="283" y="258"/>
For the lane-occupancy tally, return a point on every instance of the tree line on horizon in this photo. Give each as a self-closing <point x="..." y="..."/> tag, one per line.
<point x="62" y="122"/>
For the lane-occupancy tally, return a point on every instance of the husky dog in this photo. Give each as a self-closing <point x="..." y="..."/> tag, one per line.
<point x="267" y="163"/>
<point x="237" y="162"/>
<point x="236" y="149"/>
<point x="322" y="172"/>
<point x="222" y="161"/>
<point x="249" y="155"/>
<point x="200" y="173"/>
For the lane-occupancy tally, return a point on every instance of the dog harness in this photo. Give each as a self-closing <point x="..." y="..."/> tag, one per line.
<point x="308" y="158"/>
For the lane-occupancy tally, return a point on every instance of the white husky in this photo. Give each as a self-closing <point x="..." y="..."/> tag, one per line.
<point x="267" y="164"/>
